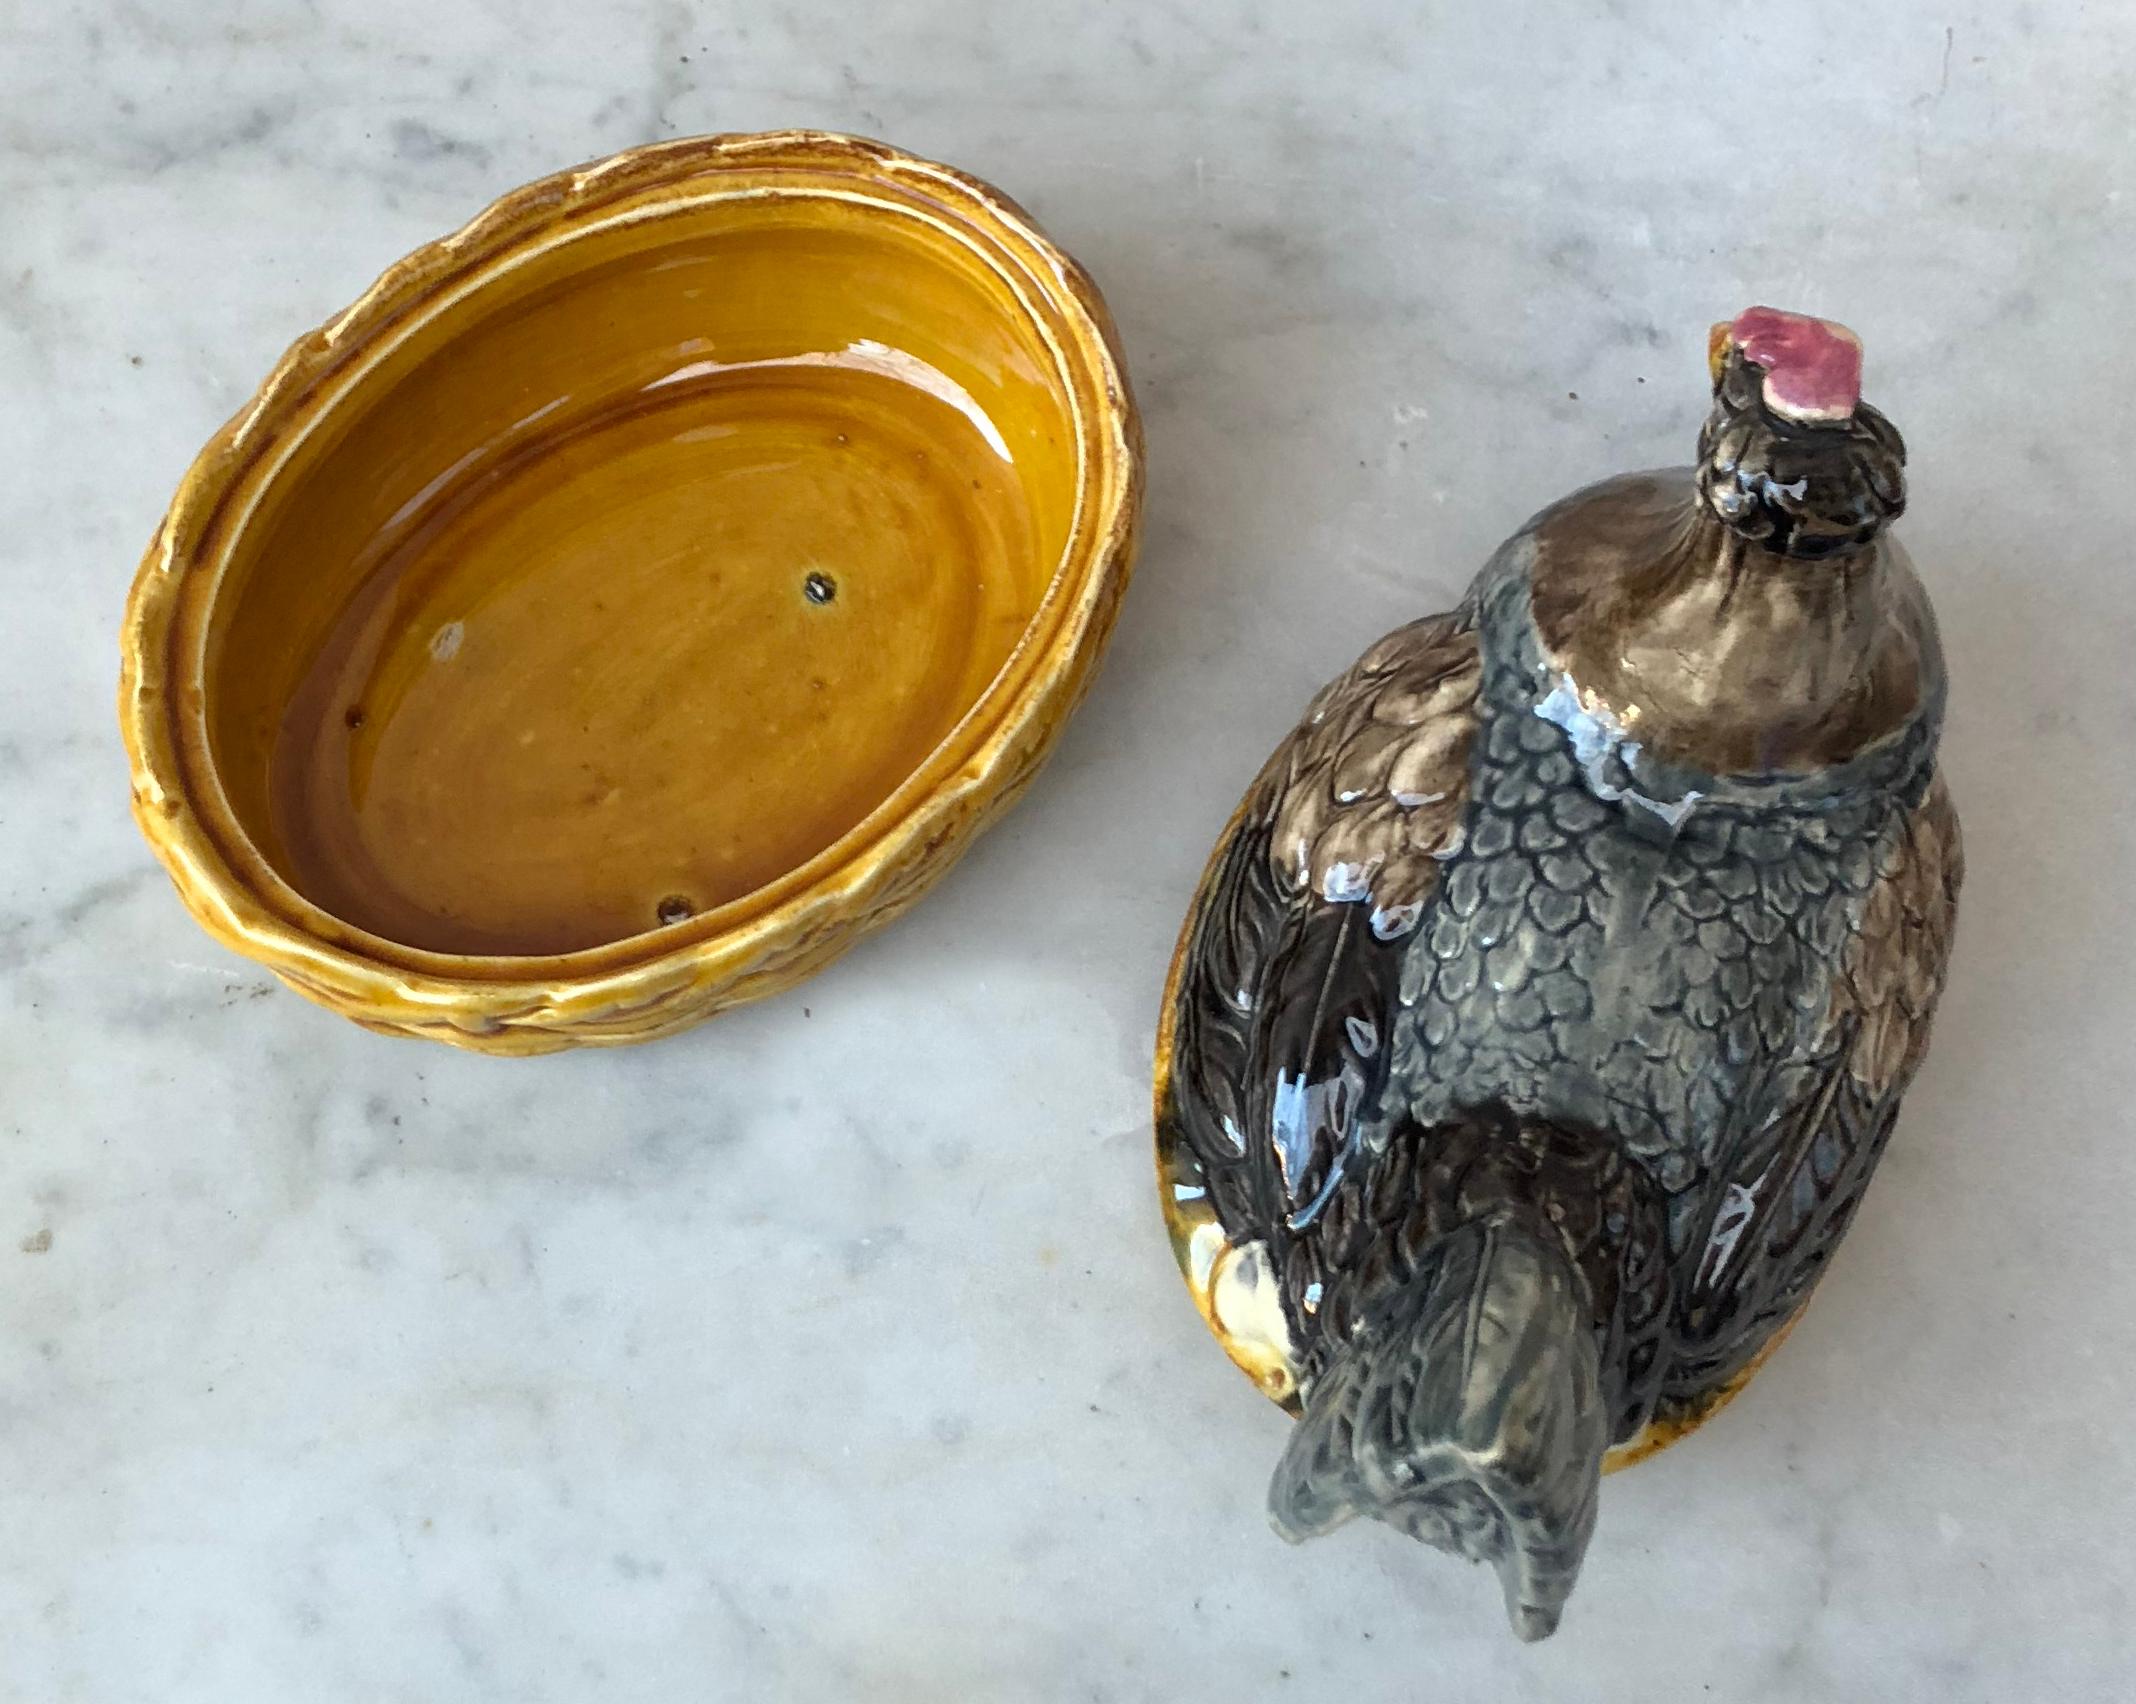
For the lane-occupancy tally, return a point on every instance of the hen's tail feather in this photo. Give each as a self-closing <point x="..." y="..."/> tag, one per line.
<point x="1467" y="1411"/>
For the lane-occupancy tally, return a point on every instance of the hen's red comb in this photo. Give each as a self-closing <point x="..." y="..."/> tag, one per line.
<point x="1813" y="367"/>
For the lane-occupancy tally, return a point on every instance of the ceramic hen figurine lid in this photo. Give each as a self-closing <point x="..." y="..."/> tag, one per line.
<point x="1549" y="998"/>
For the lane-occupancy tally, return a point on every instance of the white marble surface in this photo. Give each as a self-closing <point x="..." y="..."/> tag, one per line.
<point x="833" y="1351"/>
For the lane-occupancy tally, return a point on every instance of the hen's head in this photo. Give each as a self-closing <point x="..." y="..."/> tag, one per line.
<point x="1791" y="457"/>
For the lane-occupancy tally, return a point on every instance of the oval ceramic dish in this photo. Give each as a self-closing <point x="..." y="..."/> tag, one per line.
<point x="637" y="595"/>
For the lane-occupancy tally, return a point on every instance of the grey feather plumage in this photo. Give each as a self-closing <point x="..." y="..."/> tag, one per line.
<point x="1490" y="1013"/>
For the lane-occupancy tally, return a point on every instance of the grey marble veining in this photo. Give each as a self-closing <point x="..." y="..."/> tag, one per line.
<point x="834" y="1350"/>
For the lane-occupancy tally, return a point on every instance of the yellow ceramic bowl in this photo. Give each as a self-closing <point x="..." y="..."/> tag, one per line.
<point x="637" y="595"/>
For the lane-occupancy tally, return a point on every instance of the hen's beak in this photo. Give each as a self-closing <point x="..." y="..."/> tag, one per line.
<point x="1719" y="341"/>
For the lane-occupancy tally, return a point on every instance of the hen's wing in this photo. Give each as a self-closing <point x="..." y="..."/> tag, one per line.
<point x="1282" y="1000"/>
<point x="1775" y="1229"/>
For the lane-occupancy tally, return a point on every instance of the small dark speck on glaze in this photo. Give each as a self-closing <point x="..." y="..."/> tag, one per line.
<point x="676" y="908"/>
<point x="354" y="717"/>
<point x="819" y="588"/>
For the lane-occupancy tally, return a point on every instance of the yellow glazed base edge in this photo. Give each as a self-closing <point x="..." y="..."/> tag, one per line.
<point x="649" y="985"/>
<point x="1197" y="1243"/>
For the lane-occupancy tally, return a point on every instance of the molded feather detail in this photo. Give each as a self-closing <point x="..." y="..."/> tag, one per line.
<point x="1896" y="962"/>
<point x="1225" y="968"/>
<point x="1293" y="954"/>
<point x="1789" y="1197"/>
<point x="1375" y="780"/>
<point x="1467" y="1412"/>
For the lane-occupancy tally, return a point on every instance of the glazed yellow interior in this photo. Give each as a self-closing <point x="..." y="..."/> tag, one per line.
<point x="640" y="575"/>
